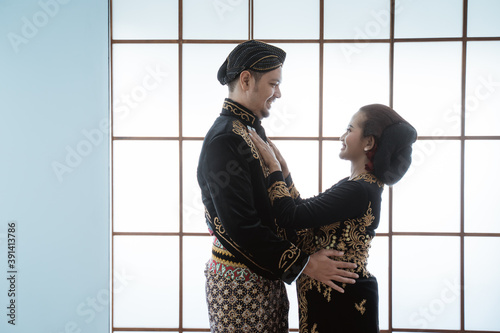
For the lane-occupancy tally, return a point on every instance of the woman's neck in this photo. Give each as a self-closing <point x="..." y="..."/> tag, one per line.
<point x="357" y="169"/>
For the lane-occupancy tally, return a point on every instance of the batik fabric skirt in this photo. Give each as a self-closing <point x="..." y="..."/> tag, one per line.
<point x="244" y="303"/>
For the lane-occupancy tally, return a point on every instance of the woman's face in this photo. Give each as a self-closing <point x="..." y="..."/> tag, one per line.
<point x="353" y="142"/>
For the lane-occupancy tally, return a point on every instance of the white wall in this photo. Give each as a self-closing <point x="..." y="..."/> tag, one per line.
<point x="54" y="164"/>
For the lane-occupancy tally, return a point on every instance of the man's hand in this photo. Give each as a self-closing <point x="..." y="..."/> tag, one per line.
<point x="320" y="267"/>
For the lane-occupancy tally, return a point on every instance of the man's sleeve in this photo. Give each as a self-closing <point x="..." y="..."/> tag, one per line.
<point x="238" y="225"/>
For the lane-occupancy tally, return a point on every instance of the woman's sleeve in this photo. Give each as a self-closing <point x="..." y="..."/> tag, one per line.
<point x="294" y="193"/>
<point x="346" y="200"/>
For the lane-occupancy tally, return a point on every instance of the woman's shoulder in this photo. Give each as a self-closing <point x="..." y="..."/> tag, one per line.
<point x="367" y="179"/>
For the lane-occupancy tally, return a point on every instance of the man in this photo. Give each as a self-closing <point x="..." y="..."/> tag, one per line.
<point x="251" y="255"/>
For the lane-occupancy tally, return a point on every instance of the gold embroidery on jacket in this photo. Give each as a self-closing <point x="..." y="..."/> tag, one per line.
<point x="288" y="258"/>
<point x="278" y="190"/>
<point x="281" y="232"/>
<point x="241" y="130"/>
<point x="222" y="234"/>
<point x="237" y="111"/>
<point x="360" y="307"/>
<point x="207" y="214"/>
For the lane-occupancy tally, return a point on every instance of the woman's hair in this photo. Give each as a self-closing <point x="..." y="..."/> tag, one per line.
<point x="391" y="156"/>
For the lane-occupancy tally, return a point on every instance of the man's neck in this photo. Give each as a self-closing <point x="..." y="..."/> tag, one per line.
<point x="238" y="99"/>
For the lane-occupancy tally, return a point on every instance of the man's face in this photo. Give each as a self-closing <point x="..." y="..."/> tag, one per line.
<point x="264" y="92"/>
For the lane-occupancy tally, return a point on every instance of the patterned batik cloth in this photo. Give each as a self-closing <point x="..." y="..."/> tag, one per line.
<point x="237" y="306"/>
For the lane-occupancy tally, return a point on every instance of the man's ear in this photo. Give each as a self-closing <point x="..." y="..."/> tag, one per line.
<point x="245" y="80"/>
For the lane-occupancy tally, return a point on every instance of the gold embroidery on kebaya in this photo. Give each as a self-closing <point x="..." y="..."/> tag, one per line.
<point x="293" y="191"/>
<point x="353" y="240"/>
<point x="237" y="111"/>
<point x="305" y="241"/>
<point x="360" y="307"/>
<point x="240" y="129"/>
<point x="278" y="190"/>
<point x="349" y="236"/>
<point x="305" y="284"/>
<point x="369" y="178"/>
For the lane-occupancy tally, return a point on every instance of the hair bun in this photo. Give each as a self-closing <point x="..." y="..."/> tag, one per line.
<point x="393" y="157"/>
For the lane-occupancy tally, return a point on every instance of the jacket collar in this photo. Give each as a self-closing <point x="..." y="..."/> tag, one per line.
<point x="237" y="110"/>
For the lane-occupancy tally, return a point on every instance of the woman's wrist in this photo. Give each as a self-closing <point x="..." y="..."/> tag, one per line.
<point x="284" y="169"/>
<point x="273" y="167"/>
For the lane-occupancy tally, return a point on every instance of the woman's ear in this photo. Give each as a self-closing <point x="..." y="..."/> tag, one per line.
<point x="369" y="143"/>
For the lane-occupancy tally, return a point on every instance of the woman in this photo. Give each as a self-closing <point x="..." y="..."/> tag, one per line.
<point x="344" y="217"/>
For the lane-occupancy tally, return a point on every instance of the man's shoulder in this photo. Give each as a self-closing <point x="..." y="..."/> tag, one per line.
<point x="226" y="128"/>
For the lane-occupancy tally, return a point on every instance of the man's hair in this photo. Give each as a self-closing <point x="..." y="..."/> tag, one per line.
<point x="256" y="75"/>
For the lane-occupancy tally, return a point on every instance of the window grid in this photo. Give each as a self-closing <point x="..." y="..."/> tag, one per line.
<point x="392" y="41"/>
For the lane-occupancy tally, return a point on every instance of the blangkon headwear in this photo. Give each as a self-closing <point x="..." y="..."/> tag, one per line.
<point x="253" y="55"/>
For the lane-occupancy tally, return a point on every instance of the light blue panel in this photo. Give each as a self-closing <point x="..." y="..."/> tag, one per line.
<point x="483" y="18"/>
<point x="54" y="172"/>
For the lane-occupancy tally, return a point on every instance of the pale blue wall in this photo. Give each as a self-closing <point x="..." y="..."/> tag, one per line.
<point x="53" y="90"/>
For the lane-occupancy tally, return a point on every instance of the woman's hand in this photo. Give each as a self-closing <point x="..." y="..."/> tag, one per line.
<point x="266" y="152"/>
<point x="281" y="160"/>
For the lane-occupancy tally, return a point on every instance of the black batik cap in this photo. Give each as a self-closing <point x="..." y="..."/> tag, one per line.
<point x="253" y="55"/>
